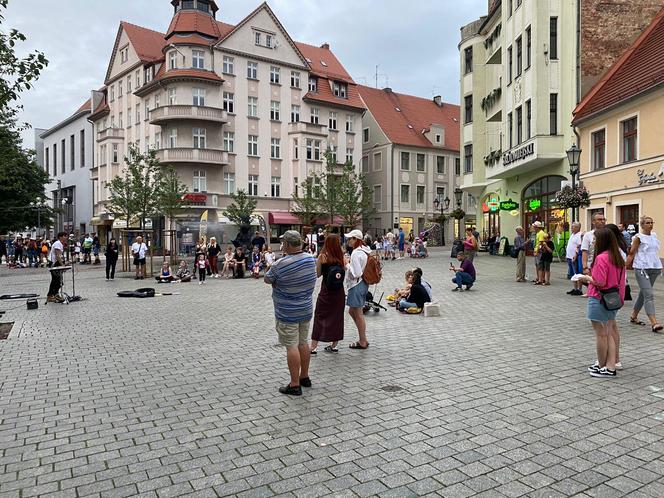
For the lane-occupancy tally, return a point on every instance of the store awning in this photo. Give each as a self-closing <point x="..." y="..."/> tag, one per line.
<point x="283" y="219"/>
<point x="325" y="220"/>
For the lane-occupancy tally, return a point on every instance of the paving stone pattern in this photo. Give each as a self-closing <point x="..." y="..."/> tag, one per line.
<point x="177" y="396"/>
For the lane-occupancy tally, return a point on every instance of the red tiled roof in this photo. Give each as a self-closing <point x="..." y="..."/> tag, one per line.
<point x="640" y="69"/>
<point x="147" y="43"/>
<point x="102" y="109"/>
<point x="186" y="21"/>
<point x="315" y="56"/>
<point x="190" y="40"/>
<point x="188" y="73"/>
<point x="325" y="95"/>
<point x="415" y="111"/>
<point x="84" y="107"/>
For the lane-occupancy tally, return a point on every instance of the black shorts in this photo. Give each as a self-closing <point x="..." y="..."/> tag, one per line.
<point x="139" y="261"/>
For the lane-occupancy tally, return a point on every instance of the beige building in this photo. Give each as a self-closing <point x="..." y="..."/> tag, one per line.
<point x="232" y="107"/>
<point x="621" y="129"/>
<point x="519" y="85"/>
<point x="410" y="155"/>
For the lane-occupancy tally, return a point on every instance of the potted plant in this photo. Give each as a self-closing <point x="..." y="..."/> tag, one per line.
<point x="569" y="197"/>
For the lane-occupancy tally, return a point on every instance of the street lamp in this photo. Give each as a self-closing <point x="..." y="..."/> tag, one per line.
<point x="458" y="193"/>
<point x="443" y="206"/>
<point x="573" y="157"/>
<point x="38" y="206"/>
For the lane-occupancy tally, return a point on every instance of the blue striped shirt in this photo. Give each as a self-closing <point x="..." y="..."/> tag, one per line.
<point x="293" y="279"/>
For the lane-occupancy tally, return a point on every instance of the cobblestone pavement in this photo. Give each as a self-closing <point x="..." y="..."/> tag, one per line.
<point x="177" y="395"/>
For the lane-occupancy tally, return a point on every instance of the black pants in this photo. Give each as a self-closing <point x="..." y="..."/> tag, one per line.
<point x="110" y="267"/>
<point x="201" y="274"/>
<point x="56" y="283"/>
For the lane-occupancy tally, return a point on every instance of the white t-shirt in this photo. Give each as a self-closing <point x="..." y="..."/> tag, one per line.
<point x="573" y="245"/>
<point x="141" y="249"/>
<point x="355" y="269"/>
<point x="647" y="256"/>
<point x="588" y="245"/>
<point x="269" y="257"/>
<point x="390" y="237"/>
<point x="56" y="245"/>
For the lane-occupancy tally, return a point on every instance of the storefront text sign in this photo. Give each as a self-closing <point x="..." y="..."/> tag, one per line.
<point x="534" y="204"/>
<point x="509" y="205"/>
<point x="518" y="154"/>
<point x="645" y="178"/>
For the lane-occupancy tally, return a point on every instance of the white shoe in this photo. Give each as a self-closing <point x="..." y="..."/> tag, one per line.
<point x="619" y="365"/>
<point x="200" y="283"/>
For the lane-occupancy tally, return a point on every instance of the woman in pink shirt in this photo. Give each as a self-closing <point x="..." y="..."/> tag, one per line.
<point x="607" y="272"/>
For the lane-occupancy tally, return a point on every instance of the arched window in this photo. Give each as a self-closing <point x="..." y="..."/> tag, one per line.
<point x="538" y="203"/>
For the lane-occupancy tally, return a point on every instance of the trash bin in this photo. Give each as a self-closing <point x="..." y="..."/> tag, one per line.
<point x="457" y="247"/>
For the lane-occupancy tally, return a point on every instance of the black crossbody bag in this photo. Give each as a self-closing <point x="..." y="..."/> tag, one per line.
<point x="611" y="297"/>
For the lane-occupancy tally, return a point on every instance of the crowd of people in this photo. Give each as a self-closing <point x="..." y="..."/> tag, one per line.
<point x="34" y="252"/>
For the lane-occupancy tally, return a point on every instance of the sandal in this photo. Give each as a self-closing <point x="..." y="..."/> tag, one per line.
<point x="330" y="349"/>
<point x="313" y="351"/>
<point x="657" y="327"/>
<point x="357" y="345"/>
<point x="636" y="321"/>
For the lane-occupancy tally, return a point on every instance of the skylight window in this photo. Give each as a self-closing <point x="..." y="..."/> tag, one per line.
<point x="308" y="60"/>
<point x="323" y="63"/>
<point x="397" y="109"/>
<point x="410" y="126"/>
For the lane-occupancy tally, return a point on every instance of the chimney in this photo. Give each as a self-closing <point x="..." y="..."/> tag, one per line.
<point x="438" y="100"/>
<point x="387" y="89"/>
<point x="326" y="46"/>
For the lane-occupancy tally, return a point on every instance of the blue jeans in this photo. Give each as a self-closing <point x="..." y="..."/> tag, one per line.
<point x="571" y="268"/>
<point x="404" y="305"/>
<point x="463" y="278"/>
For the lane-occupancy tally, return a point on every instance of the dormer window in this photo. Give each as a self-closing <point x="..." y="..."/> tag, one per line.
<point x="264" y="39"/>
<point x="313" y="84"/>
<point x="173" y="60"/>
<point x="340" y="89"/>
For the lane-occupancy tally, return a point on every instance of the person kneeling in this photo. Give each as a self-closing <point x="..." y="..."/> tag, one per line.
<point x="465" y="274"/>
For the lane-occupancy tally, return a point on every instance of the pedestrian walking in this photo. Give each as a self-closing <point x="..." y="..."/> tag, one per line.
<point x="644" y="259"/>
<point x="520" y="249"/>
<point x="112" y="254"/>
<point x="401" y="238"/>
<point x="329" y="313"/>
<point x="357" y="287"/>
<point x="293" y="279"/>
<point x="606" y="294"/>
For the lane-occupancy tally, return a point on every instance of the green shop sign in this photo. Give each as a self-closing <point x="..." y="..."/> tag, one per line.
<point x="509" y="205"/>
<point x="493" y="205"/>
<point x="534" y="204"/>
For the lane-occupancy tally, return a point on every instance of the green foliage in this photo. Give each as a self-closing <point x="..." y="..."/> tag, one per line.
<point x="355" y="197"/>
<point x="327" y="189"/>
<point x="22" y="181"/>
<point x="170" y="192"/>
<point x="306" y="206"/>
<point x="240" y="210"/>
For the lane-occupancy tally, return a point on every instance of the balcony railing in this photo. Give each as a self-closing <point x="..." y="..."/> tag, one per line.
<point x="191" y="155"/>
<point x="110" y="133"/>
<point x="179" y="112"/>
<point x="308" y="128"/>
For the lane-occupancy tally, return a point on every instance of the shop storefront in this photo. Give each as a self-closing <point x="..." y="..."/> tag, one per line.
<point x="490" y="216"/>
<point x="539" y="204"/>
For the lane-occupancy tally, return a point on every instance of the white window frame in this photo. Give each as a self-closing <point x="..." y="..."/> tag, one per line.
<point x="252" y="145"/>
<point x="275" y="110"/>
<point x="199" y="181"/>
<point x="295" y="79"/>
<point x="275" y="75"/>
<point x="275" y="148"/>
<point x="229" y="183"/>
<point x="252" y="70"/>
<point x="228" y="65"/>
<point x="275" y="186"/>
<point x="349" y="154"/>
<point x="332" y="121"/>
<point x="295" y="113"/>
<point x="173" y="60"/>
<point x="229" y="141"/>
<point x="228" y="102"/>
<point x="199" y="138"/>
<point x="313" y="84"/>
<point x="252" y="107"/>
<point x="173" y="138"/>
<point x="198" y="59"/>
<point x="315" y="115"/>
<point x="172" y="96"/>
<point x="252" y="185"/>
<point x="198" y="97"/>
<point x="349" y="123"/>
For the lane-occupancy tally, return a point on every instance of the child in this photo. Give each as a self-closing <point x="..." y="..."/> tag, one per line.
<point x="202" y="264"/>
<point x="399" y="294"/>
<point x="229" y="263"/>
<point x="256" y="259"/>
<point x="544" y="268"/>
<point x="269" y="258"/>
<point x="165" y="276"/>
<point x="183" y="274"/>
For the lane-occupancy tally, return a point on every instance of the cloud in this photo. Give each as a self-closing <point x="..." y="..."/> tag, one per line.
<point x="414" y="44"/>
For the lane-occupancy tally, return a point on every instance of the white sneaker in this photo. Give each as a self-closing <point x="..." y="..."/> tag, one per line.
<point x="200" y="283"/>
<point x="619" y="365"/>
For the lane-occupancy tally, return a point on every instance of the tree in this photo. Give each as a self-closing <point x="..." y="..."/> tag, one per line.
<point x="355" y="196"/>
<point x="241" y="208"/>
<point x="135" y="191"/>
<point x="306" y="206"/>
<point x="170" y="193"/>
<point x="22" y="181"/>
<point x="327" y="187"/>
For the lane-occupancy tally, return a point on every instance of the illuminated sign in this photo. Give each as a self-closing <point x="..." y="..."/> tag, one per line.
<point x="493" y="205"/>
<point x="534" y="204"/>
<point x="509" y="205"/>
<point x="518" y="154"/>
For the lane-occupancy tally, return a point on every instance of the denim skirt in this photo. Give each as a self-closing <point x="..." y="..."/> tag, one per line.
<point x="598" y="313"/>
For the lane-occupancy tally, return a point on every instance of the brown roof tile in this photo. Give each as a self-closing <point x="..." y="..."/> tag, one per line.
<point x="417" y="112"/>
<point x="147" y="43"/>
<point x="640" y="69"/>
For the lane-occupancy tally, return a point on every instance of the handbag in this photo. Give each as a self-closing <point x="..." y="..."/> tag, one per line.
<point x="611" y="297"/>
<point x="628" y="292"/>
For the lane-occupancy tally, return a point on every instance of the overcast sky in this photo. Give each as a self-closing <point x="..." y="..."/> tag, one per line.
<point x="414" y="42"/>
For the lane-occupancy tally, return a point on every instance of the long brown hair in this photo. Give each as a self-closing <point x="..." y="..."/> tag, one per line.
<point x="332" y="249"/>
<point x="606" y="241"/>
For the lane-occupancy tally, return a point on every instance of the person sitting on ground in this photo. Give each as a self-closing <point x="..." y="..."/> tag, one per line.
<point x="229" y="263"/>
<point x="183" y="274"/>
<point x="421" y="250"/>
<point x="239" y="263"/>
<point x="465" y="274"/>
<point x="403" y="292"/>
<point x="269" y="257"/>
<point x="425" y="284"/>
<point x="417" y="295"/>
<point x="165" y="275"/>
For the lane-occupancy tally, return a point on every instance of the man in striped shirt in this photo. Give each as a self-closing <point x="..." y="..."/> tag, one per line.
<point x="293" y="279"/>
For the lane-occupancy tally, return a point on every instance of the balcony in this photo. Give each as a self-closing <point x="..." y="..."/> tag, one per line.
<point x="179" y="112"/>
<point x="191" y="155"/>
<point x="110" y="134"/>
<point x="307" y="128"/>
<point x="537" y="152"/>
<point x="491" y="105"/>
<point x="493" y="46"/>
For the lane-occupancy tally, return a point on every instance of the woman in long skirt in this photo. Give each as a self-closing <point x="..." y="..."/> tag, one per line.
<point x="329" y="314"/>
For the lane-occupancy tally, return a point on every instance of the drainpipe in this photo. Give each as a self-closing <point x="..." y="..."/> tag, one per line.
<point x="578" y="54"/>
<point x="392" y="186"/>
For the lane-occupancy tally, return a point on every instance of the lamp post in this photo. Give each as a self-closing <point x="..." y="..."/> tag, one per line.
<point x="573" y="156"/>
<point x="38" y="206"/>
<point x="458" y="194"/>
<point x="443" y="206"/>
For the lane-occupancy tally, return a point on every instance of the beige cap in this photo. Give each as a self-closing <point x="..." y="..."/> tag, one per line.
<point x="292" y="237"/>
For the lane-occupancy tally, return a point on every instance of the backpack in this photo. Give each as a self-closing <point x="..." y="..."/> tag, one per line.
<point x="44" y="249"/>
<point x="335" y="277"/>
<point x="372" y="273"/>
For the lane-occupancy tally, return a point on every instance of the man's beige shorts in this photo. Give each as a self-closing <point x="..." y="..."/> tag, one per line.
<point x="293" y="334"/>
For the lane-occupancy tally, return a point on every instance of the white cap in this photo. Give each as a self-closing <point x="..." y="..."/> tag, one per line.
<point x="355" y="233"/>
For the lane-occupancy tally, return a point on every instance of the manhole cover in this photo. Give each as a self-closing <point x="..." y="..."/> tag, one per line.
<point x="5" y="329"/>
<point x="391" y="389"/>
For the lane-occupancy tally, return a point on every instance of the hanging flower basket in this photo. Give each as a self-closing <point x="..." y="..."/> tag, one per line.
<point x="573" y="198"/>
<point x="458" y="214"/>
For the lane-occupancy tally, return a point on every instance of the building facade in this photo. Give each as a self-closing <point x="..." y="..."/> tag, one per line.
<point x="621" y="129"/>
<point x="410" y="156"/>
<point x="519" y="85"/>
<point x="67" y="150"/>
<point x="231" y="107"/>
